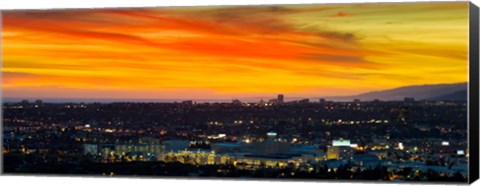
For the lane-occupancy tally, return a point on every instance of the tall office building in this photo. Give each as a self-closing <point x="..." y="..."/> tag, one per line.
<point x="340" y="149"/>
<point x="321" y="100"/>
<point x="270" y="145"/>
<point x="280" y="98"/>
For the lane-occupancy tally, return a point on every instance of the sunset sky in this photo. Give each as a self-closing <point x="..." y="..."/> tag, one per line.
<point x="225" y="52"/>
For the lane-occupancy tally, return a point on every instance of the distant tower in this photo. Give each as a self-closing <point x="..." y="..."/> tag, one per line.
<point x="38" y="102"/>
<point x="322" y="100"/>
<point x="280" y="98"/>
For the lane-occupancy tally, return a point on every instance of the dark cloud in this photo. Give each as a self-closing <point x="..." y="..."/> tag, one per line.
<point x="244" y="12"/>
<point x="72" y="16"/>
<point x="246" y="19"/>
<point x="352" y="61"/>
<point x="332" y="34"/>
<point x="339" y="35"/>
<point x="335" y="58"/>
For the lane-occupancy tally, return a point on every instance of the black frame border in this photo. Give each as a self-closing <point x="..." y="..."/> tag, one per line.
<point x="473" y="94"/>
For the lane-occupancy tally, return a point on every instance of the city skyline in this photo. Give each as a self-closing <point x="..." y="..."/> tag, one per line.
<point x="232" y="52"/>
<point x="444" y="90"/>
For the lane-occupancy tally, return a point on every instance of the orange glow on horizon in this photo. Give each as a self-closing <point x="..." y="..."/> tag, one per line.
<point x="227" y="52"/>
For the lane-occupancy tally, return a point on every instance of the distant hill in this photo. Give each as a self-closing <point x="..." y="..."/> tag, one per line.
<point x="460" y="95"/>
<point x="455" y="91"/>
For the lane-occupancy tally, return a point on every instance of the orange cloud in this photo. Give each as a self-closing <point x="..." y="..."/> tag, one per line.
<point x="216" y="51"/>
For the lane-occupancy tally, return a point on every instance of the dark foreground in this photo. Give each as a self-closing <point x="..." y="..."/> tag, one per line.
<point x="34" y="164"/>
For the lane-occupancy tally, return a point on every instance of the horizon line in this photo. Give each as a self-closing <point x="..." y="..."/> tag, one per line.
<point x="207" y="100"/>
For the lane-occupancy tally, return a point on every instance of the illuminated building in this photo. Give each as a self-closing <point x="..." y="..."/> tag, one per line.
<point x="129" y="151"/>
<point x="192" y="157"/>
<point x="267" y="153"/>
<point x="339" y="152"/>
<point x="341" y="142"/>
<point x="252" y="162"/>
<point x="340" y="149"/>
<point x="146" y="148"/>
<point x="270" y="145"/>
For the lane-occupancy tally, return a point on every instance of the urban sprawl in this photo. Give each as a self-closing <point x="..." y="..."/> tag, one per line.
<point x="407" y="140"/>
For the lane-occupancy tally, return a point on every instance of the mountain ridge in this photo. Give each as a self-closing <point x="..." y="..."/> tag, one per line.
<point x="451" y="91"/>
